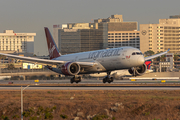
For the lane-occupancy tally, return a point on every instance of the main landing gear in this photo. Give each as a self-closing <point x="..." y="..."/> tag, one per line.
<point x="75" y="79"/>
<point x="108" y="78"/>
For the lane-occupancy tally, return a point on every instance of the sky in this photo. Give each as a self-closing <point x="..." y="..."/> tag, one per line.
<point x="31" y="16"/>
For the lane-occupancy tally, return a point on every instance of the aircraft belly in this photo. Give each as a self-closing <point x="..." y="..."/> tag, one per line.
<point x="111" y="63"/>
<point x="95" y="69"/>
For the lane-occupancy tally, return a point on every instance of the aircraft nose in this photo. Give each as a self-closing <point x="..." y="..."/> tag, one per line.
<point x="141" y="60"/>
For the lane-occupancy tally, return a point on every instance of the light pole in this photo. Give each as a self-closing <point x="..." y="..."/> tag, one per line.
<point x="22" y="101"/>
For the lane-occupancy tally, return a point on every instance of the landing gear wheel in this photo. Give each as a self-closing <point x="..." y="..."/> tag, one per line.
<point x="109" y="80"/>
<point x="79" y="79"/>
<point x="72" y="80"/>
<point x="112" y="79"/>
<point x="104" y="80"/>
<point x="75" y="79"/>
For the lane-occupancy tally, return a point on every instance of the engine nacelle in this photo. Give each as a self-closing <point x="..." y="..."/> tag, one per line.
<point x="70" y="68"/>
<point x="139" y="70"/>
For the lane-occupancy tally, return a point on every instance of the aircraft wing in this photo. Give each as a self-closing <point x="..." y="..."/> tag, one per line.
<point x="45" y="61"/>
<point x="157" y="55"/>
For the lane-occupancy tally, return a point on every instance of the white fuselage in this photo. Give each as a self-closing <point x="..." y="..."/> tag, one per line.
<point x="107" y="59"/>
<point x="117" y="74"/>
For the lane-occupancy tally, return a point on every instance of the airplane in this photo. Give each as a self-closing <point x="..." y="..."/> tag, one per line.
<point x="118" y="74"/>
<point x="105" y="60"/>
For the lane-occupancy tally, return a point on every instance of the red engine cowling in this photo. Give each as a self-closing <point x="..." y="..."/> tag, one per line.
<point x="139" y="70"/>
<point x="70" y="68"/>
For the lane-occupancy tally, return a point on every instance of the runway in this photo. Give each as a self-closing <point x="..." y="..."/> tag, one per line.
<point x="91" y="84"/>
<point x="92" y="88"/>
<point x="87" y="81"/>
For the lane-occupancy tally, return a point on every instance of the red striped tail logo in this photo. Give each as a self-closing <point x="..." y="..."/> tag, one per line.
<point x="52" y="48"/>
<point x="148" y="64"/>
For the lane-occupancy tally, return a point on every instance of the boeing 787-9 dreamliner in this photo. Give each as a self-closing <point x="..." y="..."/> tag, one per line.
<point x="98" y="61"/>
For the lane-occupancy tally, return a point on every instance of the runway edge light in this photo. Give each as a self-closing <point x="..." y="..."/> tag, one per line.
<point x="163" y="80"/>
<point x="36" y="80"/>
<point x="133" y="79"/>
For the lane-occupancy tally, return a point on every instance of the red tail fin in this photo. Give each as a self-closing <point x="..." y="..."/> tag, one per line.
<point x="148" y="64"/>
<point x="52" y="48"/>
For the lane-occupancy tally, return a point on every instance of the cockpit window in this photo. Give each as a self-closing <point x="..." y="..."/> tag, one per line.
<point x="137" y="53"/>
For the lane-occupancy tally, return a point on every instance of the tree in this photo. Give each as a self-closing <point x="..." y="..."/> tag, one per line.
<point x="163" y="58"/>
<point x="176" y="57"/>
<point x="2" y="57"/>
<point x="10" y="67"/>
<point x="149" y="53"/>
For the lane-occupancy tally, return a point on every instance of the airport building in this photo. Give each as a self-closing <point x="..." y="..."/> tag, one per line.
<point x="81" y="37"/>
<point x="121" y="33"/>
<point x="55" y="33"/>
<point x="174" y="16"/>
<point x="123" y="38"/>
<point x="103" y="33"/>
<point x="160" y="37"/>
<point x="11" y="42"/>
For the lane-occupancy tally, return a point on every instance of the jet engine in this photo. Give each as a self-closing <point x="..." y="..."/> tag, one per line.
<point x="138" y="70"/>
<point x="70" y="68"/>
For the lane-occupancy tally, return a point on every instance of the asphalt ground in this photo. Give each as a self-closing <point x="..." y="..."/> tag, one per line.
<point x="90" y="81"/>
<point x="91" y="84"/>
<point x="91" y="87"/>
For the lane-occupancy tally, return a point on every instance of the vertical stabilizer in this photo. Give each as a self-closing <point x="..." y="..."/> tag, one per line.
<point x="148" y="64"/>
<point x="52" y="48"/>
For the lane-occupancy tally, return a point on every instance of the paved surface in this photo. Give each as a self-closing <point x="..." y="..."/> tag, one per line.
<point x="94" y="82"/>
<point x="93" y="88"/>
<point x="29" y="73"/>
<point x="87" y="81"/>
